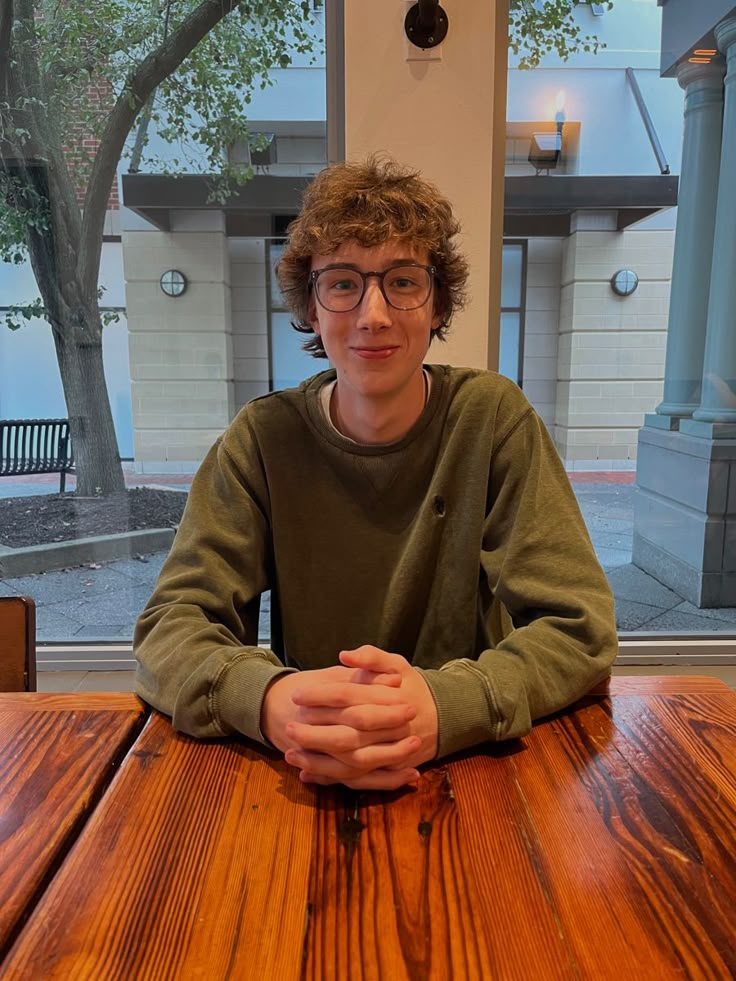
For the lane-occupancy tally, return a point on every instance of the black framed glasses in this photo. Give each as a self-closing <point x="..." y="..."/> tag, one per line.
<point x="340" y="289"/>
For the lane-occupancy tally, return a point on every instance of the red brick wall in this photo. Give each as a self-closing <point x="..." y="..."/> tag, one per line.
<point x="81" y="146"/>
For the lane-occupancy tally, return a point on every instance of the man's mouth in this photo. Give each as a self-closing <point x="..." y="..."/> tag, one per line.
<point x="375" y="352"/>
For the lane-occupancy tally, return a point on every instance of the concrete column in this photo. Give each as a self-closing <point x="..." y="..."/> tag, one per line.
<point x="181" y="349"/>
<point x="611" y="348"/>
<point x="685" y="504"/>
<point x="441" y="110"/>
<point x="696" y="210"/>
<point x="718" y="404"/>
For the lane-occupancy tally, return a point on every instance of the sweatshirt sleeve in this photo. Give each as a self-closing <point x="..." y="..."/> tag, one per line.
<point x="538" y="561"/>
<point x="195" y="642"/>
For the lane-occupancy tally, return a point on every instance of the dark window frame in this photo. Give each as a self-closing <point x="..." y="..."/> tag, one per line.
<point x="521" y="309"/>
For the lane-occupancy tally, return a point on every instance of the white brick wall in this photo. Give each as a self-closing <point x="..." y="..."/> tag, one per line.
<point x="539" y="374"/>
<point x="181" y="355"/>
<point x="611" y="349"/>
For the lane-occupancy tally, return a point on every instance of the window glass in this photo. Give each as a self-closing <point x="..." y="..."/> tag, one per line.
<point x="144" y="380"/>
<point x="150" y="381"/>
<point x="513" y="257"/>
<point x="508" y="358"/>
<point x="511" y="337"/>
<point x="290" y="364"/>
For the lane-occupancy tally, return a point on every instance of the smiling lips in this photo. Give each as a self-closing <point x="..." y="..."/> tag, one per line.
<point x="375" y="353"/>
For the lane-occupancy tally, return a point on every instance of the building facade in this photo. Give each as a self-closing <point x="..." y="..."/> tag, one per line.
<point x="590" y="359"/>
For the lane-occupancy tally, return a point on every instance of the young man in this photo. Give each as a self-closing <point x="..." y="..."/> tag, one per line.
<point x="433" y="584"/>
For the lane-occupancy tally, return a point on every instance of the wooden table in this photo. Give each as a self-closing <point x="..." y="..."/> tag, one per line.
<point x="601" y="846"/>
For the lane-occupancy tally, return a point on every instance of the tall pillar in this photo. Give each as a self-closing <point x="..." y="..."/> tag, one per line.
<point x="718" y="403"/>
<point x="441" y="110"/>
<point x="181" y="348"/>
<point x="685" y="505"/>
<point x="696" y="211"/>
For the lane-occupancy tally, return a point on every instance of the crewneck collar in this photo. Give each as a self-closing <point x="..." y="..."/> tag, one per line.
<point x="315" y="395"/>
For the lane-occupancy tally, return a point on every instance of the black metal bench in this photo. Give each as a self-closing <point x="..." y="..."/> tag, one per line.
<point x="31" y="446"/>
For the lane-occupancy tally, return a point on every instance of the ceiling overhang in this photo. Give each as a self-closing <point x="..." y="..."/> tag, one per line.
<point x="155" y="196"/>
<point x="536" y="206"/>
<point x="533" y="206"/>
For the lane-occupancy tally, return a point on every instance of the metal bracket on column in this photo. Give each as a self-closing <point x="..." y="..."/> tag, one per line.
<point x="426" y="24"/>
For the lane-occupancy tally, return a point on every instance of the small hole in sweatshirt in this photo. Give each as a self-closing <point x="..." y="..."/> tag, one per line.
<point x="439" y="505"/>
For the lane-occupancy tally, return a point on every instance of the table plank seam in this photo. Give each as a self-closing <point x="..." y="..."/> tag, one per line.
<point x="99" y="790"/>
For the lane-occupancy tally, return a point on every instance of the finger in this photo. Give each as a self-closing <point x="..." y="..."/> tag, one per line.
<point x="375" y="780"/>
<point x="340" y="739"/>
<point x="344" y="694"/>
<point x="369" y="658"/>
<point x="373" y="757"/>
<point x="366" y="717"/>
<point x="362" y="677"/>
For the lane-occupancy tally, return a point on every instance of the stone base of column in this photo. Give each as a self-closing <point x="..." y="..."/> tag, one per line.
<point x="656" y="421"/>
<point x="685" y="516"/>
<point x="708" y="430"/>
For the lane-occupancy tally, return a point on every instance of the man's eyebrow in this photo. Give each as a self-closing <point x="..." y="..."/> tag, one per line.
<point x="356" y="267"/>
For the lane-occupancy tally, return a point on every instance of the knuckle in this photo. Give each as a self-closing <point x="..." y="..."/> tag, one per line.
<point x="347" y="741"/>
<point x="361" y="716"/>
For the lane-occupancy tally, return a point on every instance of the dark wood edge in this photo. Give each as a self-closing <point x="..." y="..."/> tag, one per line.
<point x="30" y="670"/>
<point x="79" y="701"/>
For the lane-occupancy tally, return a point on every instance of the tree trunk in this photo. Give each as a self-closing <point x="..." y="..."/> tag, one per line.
<point x="99" y="471"/>
<point x="77" y="330"/>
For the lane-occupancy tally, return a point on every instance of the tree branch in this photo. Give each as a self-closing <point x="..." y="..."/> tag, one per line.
<point x="150" y="73"/>
<point x="41" y="168"/>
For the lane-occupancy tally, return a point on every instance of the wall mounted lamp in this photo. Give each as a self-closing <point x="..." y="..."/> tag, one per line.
<point x="426" y="24"/>
<point x="173" y="282"/>
<point x="545" y="149"/>
<point x="624" y="282"/>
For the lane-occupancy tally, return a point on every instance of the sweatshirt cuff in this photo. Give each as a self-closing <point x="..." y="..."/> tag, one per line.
<point x="464" y="712"/>
<point x="237" y="697"/>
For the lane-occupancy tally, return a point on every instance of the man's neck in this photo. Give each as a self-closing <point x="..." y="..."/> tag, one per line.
<point x="377" y="421"/>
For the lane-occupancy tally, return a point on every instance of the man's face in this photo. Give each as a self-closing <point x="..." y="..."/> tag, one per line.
<point x="376" y="350"/>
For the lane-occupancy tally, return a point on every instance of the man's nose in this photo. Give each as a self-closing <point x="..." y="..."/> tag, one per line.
<point x="374" y="310"/>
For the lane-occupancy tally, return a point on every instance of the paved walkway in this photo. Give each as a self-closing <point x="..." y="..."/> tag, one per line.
<point x="102" y="602"/>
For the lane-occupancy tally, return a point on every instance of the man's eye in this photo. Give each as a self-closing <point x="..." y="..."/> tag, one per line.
<point x="343" y="284"/>
<point x="402" y="283"/>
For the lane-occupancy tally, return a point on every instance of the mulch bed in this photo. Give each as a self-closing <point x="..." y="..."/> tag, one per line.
<point x="45" y="518"/>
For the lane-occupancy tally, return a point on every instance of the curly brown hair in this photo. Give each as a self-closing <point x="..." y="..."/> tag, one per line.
<point x="371" y="202"/>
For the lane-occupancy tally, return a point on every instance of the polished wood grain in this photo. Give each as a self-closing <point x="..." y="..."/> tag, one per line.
<point x="195" y="865"/>
<point x="619" y="848"/>
<point x="662" y="684"/>
<point x="600" y="846"/>
<point x="391" y="892"/>
<point x="54" y="765"/>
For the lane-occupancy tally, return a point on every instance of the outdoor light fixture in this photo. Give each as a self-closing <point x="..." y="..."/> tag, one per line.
<point x="425" y="24"/>
<point x="624" y="282"/>
<point x="173" y="282"/>
<point x="545" y="151"/>
<point x="546" y="148"/>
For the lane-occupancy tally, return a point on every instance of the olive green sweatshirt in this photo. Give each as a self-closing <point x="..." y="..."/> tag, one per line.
<point x="416" y="547"/>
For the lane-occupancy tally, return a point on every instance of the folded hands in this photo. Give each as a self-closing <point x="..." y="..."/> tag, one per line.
<point x="366" y="723"/>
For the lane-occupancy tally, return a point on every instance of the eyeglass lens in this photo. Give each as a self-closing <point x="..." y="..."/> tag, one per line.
<point x="405" y="288"/>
